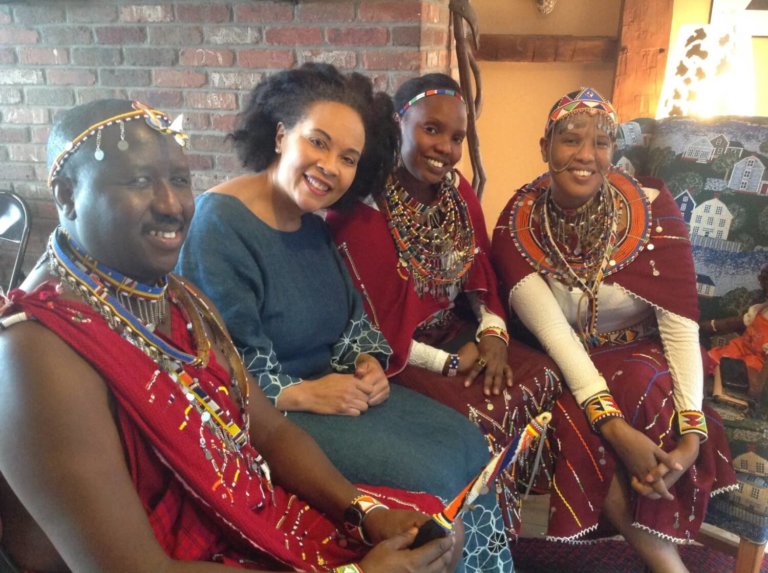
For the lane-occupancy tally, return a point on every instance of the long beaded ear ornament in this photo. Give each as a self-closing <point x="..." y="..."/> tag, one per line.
<point x="122" y="145"/>
<point x="98" y="155"/>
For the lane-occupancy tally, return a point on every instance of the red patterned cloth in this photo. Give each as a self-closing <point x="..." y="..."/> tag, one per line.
<point x="207" y="503"/>
<point x="637" y="373"/>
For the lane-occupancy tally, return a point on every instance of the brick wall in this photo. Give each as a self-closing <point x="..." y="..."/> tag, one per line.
<point x="192" y="56"/>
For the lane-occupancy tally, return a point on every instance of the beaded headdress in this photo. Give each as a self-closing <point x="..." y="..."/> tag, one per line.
<point x="585" y="100"/>
<point x="157" y="120"/>
<point x="427" y="93"/>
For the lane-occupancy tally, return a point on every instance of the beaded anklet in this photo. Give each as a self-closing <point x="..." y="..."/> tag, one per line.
<point x="451" y="367"/>
<point x="691" y="422"/>
<point x="600" y="408"/>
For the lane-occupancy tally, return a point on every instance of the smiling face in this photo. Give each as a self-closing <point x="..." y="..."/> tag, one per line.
<point x="432" y="134"/>
<point x="130" y="211"/>
<point x="318" y="157"/>
<point x="579" y="154"/>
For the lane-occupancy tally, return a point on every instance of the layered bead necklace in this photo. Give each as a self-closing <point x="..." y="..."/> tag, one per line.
<point x="106" y="290"/>
<point x="435" y="243"/>
<point x="579" y="243"/>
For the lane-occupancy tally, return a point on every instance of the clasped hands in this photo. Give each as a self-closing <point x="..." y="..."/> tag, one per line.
<point x="652" y="471"/>
<point x="489" y="356"/>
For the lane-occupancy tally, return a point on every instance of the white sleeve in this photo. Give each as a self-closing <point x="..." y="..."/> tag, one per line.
<point x="680" y="338"/>
<point x="426" y="356"/>
<point x="533" y="301"/>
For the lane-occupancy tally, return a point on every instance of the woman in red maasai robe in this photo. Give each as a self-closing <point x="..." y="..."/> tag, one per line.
<point x="428" y="316"/>
<point x="206" y="500"/>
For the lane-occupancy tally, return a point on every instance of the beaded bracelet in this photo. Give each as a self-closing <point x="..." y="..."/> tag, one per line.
<point x="356" y="512"/>
<point x="350" y="568"/>
<point x="692" y="422"/>
<point x="496" y="331"/>
<point x="451" y="367"/>
<point x="600" y="408"/>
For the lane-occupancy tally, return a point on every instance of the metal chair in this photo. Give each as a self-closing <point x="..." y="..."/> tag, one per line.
<point x="14" y="229"/>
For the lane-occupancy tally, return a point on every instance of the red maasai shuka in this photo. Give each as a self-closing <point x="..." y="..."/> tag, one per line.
<point x="366" y="244"/>
<point x="208" y="503"/>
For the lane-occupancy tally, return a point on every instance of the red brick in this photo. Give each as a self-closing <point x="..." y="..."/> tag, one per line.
<point x="229" y="164"/>
<point x="43" y="209"/>
<point x="92" y="14"/>
<point x="36" y="15"/>
<point x="199" y="162"/>
<point x="349" y="36"/>
<point x="207" y="179"/>
<point x="293" y="36"/>
<point x="71" y="77"/>
<point x="207" y="57"/>
<point x="265" y="58"/>
<point x="203" y="13"/>
<point x="97" y="56"/>
<point x="121" y="35"/>
<point x="5" y="14"/>
<point x="163" y="99"/>
<point x="85" y="95"/>
<point x="406" y="36"/>
<point x="7" y="56"/>
<point x="409" y="60"/>
<point x="340" y="58"/>
<point x="14" y="134"/>
<point x="50" y="96"/>
<point x="66" y="35"/>
<point x="154" y="13"/>
<point x="196" y="120"/>
<point x="224" y="122"/>
<point x="10" y="95"/>
<point x="264" y="12"/>
<point x="24" y="76"/>
<point x="235" y="80"/>
<point x="326" y="11"/>
<point x="24" y="115"/>
<point x="150" y="57"/>
<point x="211" y="100"/>
<point x="15" y="36"/>
<point x="406" y="12"/>
<point x="123" y="77"/>
<point x="40" y="133"/>
<point x="230" y="34"/>
<point x="178" y="79"/>
<point x="175" y="35"/>
<point x="14" y="171"/>
<point x="43" y="56"/>
<point x="27" y="153"/>
<point x="434" y="37"/>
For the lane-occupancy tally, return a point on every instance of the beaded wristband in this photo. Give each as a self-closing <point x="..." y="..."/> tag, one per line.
<point x="351" y="568"/>
<point x="356" y="512"/>
<point x="495" y="331"/>
<point x="451" y="367"/>
<point x="600" y="408"/>
<point x="692" y="422"/>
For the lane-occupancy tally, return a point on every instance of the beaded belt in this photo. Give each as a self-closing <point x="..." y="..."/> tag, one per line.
<point x="642" y="329"/>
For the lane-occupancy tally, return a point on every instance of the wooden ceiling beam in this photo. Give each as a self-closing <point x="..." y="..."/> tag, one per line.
<point x="547" y="48"/>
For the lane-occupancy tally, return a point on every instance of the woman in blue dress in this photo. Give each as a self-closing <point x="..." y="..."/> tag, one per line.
<point x="258" y="249"/>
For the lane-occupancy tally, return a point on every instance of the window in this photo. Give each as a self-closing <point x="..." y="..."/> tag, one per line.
<point x="707" y="208"/>
<point x="698" y="218"/>
<point x="719" y="210"/>
<point x="710" y="221"/>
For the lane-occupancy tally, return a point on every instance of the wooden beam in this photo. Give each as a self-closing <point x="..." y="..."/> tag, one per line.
<point x="644" y="42"/>
<point x="523" y="48"/>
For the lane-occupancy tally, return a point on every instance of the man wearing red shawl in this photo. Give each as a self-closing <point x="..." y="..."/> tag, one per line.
<point x="600" y="271"/>
<point x="131" y="436"/>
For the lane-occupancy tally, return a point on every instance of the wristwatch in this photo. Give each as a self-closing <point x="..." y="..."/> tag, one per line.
<point x="355" y="513"/>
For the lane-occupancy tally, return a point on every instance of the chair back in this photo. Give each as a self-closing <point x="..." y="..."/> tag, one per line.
<point x="14" y="231"/>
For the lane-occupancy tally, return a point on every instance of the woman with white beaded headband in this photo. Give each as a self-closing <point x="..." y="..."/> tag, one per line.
<point x="419" y="252"/>
<point x="132" y="438"/>
<point x="600" y="270"/>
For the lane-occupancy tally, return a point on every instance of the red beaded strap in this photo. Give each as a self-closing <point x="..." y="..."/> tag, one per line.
<point x="495" y="331"/>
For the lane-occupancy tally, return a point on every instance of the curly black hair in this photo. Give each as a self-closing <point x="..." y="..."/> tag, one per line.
<point x="285" y="97"/>
<point x="415" y="86"/>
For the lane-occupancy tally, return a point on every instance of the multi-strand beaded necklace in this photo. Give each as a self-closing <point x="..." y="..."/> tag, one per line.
<point x="106" y="290"/>
<point x="579" y="243"/>
<point x="435" y="243"/>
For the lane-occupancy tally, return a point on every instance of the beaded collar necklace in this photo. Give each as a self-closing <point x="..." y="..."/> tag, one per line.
<point x="435" y="243"/>
<point x="106" y="290"/>
<point x="579" y="244"/>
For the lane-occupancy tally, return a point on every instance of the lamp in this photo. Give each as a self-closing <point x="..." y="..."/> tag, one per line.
<point x="710" y="72"/>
